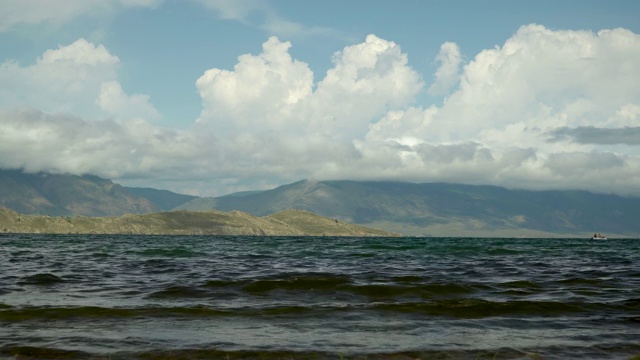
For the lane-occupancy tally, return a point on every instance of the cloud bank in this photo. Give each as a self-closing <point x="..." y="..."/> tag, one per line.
<point x="547" y="109"/>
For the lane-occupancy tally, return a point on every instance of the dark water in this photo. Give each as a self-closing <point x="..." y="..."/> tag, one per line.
<point x="154" y="297"/>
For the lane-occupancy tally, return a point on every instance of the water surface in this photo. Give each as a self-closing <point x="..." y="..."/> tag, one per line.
<point x="196" y="297"/>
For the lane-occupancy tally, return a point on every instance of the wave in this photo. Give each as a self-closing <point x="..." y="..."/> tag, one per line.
<point x="290" y="285"/>
<point x="521" y="284"/>
<point x="40" y="279"/>
<point x="317" y="283"/>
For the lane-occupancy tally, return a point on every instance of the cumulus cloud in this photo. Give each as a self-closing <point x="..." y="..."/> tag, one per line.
<point x="116" y="102"/>
<point x="79" y="78"/>
<point x="13" y="13"/>
<point x="447" y="75"/>
<point x="575" y="86"/>
<point x="66" y="79"/>
<point x="271" y="92"/>
<point x="547" y="109"/>
<point x="258" y="93"/>
<point x="367" y="80"/>
<point x="542" y="78"/>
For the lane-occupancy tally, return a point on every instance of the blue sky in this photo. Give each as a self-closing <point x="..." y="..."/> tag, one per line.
<point x="211" y="96"/>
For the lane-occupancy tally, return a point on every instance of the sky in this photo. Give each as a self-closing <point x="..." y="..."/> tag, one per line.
<point x="210" y="97"/>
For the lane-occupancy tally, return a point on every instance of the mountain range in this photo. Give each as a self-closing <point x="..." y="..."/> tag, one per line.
<point x="443" y="209"/>
<point x="428" y="209"/>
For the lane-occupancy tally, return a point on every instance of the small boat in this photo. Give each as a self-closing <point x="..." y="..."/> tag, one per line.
<point x="598" y="236"/>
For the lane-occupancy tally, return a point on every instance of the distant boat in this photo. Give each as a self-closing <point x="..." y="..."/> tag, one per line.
<point x="598" y="237"/>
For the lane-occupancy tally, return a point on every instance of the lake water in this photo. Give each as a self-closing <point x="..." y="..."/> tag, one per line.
<point x="200" y="297"/>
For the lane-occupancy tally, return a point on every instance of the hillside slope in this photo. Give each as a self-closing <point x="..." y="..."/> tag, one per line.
<point x="58" y="195"/>
<point x="164" y="199"/>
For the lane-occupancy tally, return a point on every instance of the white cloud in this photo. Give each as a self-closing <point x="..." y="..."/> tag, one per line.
<point x="30" y="12"/>
<point x="447" y="76"/>
<point x="367" y="80"/>
<point x="258" y="94"/>
<point x="80" y="53"/>
<point x="66" y="79"/>
<point x="117" y="103"/>
<point x="271" y="92"/>
<point x="79" y="79"/>
<point x="541" y="77"/>
<point x="513" y="96"/>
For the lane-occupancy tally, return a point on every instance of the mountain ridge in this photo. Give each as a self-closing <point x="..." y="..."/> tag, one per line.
<point x="63" y="194"/>
<point x="413" y="209"/>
